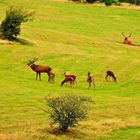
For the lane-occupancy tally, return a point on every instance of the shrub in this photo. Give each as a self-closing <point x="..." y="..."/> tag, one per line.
<point x="10" y="26"/>
<point x="108" y="2"/>
<point x="67" y="111"/>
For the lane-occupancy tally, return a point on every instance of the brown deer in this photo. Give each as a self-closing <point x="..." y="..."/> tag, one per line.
<point x="68" y="80"/>
<point x="51" y="77"/>
<point x="90" y="80"/>
<point x="110" y="74"/>
<point x="39" y="69"/>
<point x="72" y="76"/>
<point x="126" y="41"/>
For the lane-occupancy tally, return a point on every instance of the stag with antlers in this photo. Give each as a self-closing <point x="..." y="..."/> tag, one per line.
<point x="110" y="74"/>
<point x="90" y="80"/>
<point x="126" y="41"/>
<point x="39" y="69"/>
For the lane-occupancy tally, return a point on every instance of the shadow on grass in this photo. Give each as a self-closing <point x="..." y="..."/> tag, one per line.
<point x="18" y="40"/>
<point x="23" y="41"/>
<point x="71" y="133"/>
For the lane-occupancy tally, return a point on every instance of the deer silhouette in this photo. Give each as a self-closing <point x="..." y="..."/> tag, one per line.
<point x="90" y="80"/>
<point x="39" y="69"/>
<point x="110" y="74"/>
<point x="126" y="41"/>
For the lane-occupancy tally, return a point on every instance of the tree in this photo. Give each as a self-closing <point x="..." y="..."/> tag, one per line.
<point x="67" y="111"/>
<point x="10" y="26"/>
<point x="137" y="2"/>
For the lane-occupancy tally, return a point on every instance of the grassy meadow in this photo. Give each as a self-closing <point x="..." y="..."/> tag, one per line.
<point x="76" y="38"/>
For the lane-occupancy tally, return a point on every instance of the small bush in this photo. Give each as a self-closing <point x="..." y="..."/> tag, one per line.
<point x="10" y="26"/>
<point x="67" y="111"/>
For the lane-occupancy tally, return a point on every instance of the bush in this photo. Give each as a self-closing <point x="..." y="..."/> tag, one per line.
<point x="10" y="26"/>
<point x="67" y="111"/>
<point x="108" y="2"/>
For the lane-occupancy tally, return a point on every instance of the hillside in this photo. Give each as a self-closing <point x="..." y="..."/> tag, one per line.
<point x="76" y="38"/>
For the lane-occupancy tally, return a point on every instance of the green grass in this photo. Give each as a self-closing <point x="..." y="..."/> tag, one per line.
<point x="76" y="38"/>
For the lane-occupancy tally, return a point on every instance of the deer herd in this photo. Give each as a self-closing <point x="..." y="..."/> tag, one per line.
<point x="71" y="79"/>
<point x="68" y="79"/>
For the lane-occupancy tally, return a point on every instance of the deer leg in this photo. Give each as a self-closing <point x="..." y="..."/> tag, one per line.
<point x="49" y="79"/>
<point x="89" y="85"/>
<point x="36" y="76"/>
<point x="39" y="76"/>
<point x="71" y="83"/>
<point x="106" y="77"/>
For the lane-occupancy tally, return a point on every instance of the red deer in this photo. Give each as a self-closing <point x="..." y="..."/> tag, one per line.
<point x="68" y="80"/>
<point x="73" y="76"/>
<point x="90" y="80"/>
<point x="126" y="41"/>
<point x="110" y="74"/>
<point x="39" y="69"/>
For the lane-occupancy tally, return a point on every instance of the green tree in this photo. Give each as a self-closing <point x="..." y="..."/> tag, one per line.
<point x="10" y="26"/>
<point x="67" y="111"/>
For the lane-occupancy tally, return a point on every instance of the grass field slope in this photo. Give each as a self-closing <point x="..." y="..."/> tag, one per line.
<point x="76" y="38"/>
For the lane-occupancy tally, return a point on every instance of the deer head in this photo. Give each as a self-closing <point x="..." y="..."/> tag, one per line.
<point x="89" y="73"/>
<point x="31" y="62"/>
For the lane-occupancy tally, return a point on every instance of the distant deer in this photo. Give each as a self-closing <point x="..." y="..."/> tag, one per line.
<point x="110" y="74"/>
<point x="72" y="76"/>
<point x="126" y="41"/>
<point x="68" y="80"/>
<point x="39" y="69"/>
<point x="90" y="80"/>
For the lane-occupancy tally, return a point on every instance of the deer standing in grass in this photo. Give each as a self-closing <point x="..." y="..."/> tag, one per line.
<point x="110" y="74"/>
<point x="68" y="80"/>
<point x="90" y="80"/>
<point x="72" y="76"/>
<point x="39" y="69"/>
<point x="126" y="41"/>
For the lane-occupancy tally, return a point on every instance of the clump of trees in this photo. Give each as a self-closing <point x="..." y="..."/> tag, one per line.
<point x="10" y="26"/>
<point x="110" y="2"/>
<point x="67" y="111"/>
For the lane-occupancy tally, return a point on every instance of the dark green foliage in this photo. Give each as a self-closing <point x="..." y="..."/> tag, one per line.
<point x="137" y="2"/>
<point x="10" y="26"/>
<point x="108" y="2"/>
<point x="67" y="111"/>
<point x="90" y="1"/>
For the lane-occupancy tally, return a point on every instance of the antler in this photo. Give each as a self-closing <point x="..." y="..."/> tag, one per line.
<point x="35" y="59"/>
<point x="129" y="35"/>
<point x="123" y="35"/>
